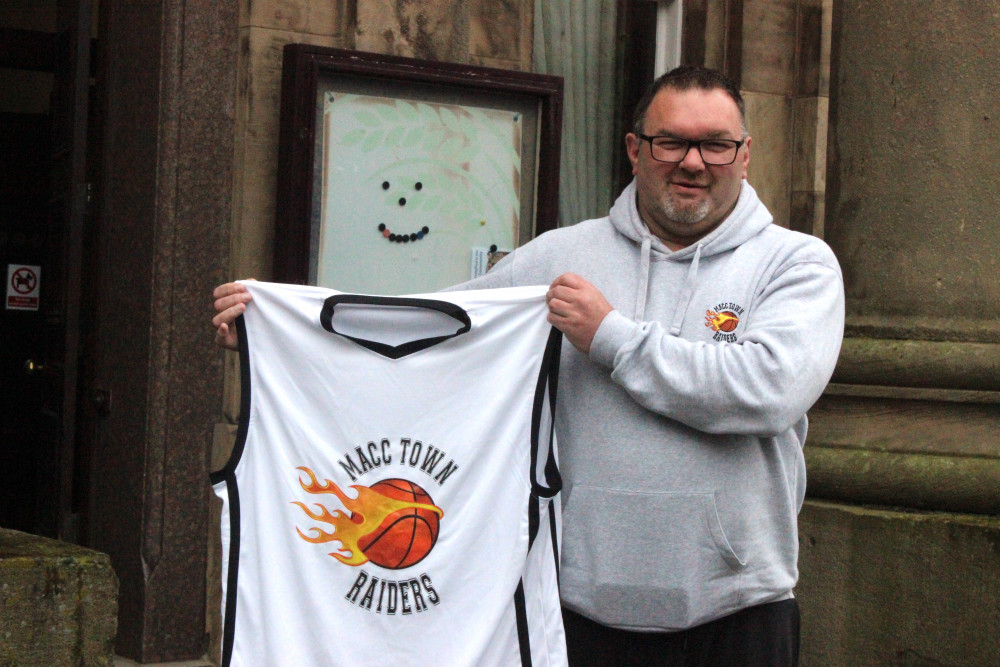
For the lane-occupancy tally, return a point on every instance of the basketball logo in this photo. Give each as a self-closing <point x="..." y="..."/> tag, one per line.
<point x="393" y="523"/>
<point x="406" y="535"/>
<point x="725" y="321"/>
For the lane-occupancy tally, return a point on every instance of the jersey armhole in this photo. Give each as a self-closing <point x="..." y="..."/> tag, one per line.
<point x="229" y="469"/>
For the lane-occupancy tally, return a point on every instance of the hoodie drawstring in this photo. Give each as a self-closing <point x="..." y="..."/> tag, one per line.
<point x="687" y="294"/>
<point x="640" y="297"/>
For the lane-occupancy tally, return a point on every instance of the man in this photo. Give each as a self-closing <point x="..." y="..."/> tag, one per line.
<point x="701" y="334"/>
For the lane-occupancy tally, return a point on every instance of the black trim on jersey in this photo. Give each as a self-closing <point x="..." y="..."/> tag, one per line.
<point x="552" y="536"/>
<point x="228" y="471"/>
<point x="534" y="519"/>
<point x="395" y="351"/>
<point x="548" y="381"/>
<point x="521" y="612"/>
<point x="228" y="475"/>
<point x="232" y="574"/>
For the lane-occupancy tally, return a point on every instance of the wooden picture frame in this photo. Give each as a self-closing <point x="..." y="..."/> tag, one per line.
<point x="398" y="175"/>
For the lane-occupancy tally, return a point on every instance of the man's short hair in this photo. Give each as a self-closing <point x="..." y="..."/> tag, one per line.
<point x="688" y="77"/>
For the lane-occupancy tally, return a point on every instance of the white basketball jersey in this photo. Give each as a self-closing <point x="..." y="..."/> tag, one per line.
<point x="390" y="499"/>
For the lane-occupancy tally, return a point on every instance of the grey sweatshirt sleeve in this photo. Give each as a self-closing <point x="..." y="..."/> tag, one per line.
<point x="760" y="385"/>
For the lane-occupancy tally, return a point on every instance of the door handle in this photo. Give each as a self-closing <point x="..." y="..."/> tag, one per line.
<point x="32" y="367"/>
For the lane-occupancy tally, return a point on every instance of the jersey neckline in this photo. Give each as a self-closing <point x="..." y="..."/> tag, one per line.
<point x="385" y="349"/>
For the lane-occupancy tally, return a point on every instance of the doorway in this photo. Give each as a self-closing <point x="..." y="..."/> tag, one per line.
<point x="44" y="111"/>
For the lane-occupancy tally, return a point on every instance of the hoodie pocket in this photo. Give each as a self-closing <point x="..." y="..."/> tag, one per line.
<point x="647" y="560"/>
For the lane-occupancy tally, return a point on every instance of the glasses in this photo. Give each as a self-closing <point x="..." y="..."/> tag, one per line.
<point x="716" y="152"/>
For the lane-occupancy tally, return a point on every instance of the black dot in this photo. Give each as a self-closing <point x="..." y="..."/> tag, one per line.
<point x="424" y="229"/>
<point x="419" y="186"/>
<point x="385" y="185"/>
<point x="404" y="238"/>
<point x="413" y="236"/>
<point x="402" y="201"/>
<point x="392" y="237"/>
<point x="493" y="248"/>
<point x="381" y="227"/>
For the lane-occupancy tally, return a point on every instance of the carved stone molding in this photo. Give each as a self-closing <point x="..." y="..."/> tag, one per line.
<point x="909" y="451"/>
<point x="919" y="363"/>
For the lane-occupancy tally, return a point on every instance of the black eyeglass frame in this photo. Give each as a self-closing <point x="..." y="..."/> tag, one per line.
<point x="690" y="143"/>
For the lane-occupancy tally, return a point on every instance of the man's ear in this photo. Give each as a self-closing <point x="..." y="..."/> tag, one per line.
<point x="632" y="148"/>
<point x="746" y="156"/>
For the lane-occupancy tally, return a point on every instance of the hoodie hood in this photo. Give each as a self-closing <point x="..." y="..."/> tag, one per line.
<point x="748" y="218"/>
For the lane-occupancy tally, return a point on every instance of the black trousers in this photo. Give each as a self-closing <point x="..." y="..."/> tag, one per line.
<point x="763" y="636"/>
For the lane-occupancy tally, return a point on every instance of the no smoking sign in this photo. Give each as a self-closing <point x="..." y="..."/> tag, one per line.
<point x="22" y="286"/>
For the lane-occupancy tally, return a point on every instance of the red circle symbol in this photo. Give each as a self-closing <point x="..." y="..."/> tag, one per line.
<point x="23" y="280"/>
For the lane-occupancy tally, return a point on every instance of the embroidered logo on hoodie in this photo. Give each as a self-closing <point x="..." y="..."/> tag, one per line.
<point x="723" y="320"/>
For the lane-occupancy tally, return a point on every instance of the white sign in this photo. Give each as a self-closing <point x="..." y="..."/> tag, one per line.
<point x="483" y="260"/>
<point x="22" y="286"/>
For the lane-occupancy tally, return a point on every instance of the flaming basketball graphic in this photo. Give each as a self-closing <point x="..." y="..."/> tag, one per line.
<point x="725" y="321"/>
<point x="393" y="523"/>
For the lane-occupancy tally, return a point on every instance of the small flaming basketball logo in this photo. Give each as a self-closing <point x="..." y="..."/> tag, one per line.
<point x="724" y="321"/>
<point x="393" y="523"/>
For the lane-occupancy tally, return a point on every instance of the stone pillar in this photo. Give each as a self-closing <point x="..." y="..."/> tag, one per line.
<point x="912" y="217"/>
<point x="911" y="418"/>
<point x="167" y="85"/>
<point x="914" y="136"/>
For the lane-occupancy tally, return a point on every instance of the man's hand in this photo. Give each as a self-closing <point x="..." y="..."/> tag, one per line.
<point x="231" y="300"/>
<point x="576" y="308"/>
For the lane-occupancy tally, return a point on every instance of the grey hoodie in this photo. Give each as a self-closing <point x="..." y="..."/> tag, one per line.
<point x="681" y="436"/>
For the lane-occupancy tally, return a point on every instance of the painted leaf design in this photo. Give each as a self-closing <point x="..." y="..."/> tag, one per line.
<point x="408" y="112"/>
<point x="388" y="112"/>
<point x="450" y="147"/>
<point x="373" y="140"/>
<point x="432" y="138"/>
<point x="394" y="136"/>
<point x="468" y="153"/>
<point x="450" y="120"/>
<point x="367" y="118"/>
<point x="353" y="137"/>
<point x="413" y="137"/>
<point x="430" y="116"/>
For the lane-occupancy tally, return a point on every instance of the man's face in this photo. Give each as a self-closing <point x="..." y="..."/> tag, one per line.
<point x="682" y="202"/>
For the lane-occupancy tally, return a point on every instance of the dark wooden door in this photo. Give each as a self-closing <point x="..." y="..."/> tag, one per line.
<point x="43" y="207"/>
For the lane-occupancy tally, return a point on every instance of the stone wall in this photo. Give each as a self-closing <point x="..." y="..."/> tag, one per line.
<point x="785" y="82"/>
<point x="58" y="603"/>
<point x="884" y="587"/>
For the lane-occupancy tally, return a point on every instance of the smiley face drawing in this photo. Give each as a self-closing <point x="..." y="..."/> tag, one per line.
<point x="402" y="237"/>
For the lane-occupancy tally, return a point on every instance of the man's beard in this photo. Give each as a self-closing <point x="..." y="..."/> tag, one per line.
<point x="686" y="215"/>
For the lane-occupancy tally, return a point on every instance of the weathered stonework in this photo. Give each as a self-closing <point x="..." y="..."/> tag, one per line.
<point x="880" y="587"/>
<point x="58" y="603"/>
<point x="425" y="29"/>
